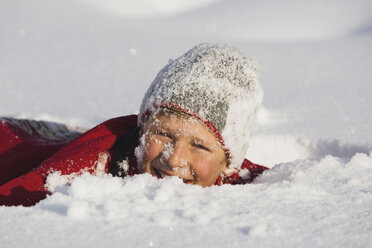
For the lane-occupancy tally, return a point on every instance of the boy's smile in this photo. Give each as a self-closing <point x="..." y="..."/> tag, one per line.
<point x="178" y="145"/>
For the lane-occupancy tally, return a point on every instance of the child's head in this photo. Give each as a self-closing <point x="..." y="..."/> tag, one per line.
<point x="208" y="96"/>
<point x="175" y="144"/>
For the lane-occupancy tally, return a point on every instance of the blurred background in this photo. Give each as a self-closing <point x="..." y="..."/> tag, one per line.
<point x="84" y="61"/>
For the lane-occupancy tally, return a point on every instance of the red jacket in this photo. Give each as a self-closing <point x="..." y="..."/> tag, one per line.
<point x="22" y="176"/>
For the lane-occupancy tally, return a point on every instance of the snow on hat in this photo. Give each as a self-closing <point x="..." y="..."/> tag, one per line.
<point x="218" y="86"/>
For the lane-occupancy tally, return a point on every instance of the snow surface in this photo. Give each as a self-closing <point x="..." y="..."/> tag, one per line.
<point x="79" y="63"/>
<point x="308" y="203"/>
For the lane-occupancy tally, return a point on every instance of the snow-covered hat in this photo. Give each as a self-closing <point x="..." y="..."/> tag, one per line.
<point x="218" y="86"/>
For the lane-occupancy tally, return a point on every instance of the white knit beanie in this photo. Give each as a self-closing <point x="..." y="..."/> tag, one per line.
<point x="218" y="86"/>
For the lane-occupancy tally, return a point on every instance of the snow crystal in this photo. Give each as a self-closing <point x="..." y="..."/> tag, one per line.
<point x="124" y="166"/>
<point x="133" y="51"/>
<point x="21" y="33"/>
<point x="167" y="153"/>
<point x="56" y="179"/>
<point x="139" y="151"/>
<point x="244" y="173"/>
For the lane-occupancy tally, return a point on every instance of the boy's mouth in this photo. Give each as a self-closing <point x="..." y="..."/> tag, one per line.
<point x="162" y="173"/>
<point x="188" y="181"/>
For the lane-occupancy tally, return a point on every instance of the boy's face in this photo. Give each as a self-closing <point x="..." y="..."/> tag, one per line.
<point x="174" y="145"/>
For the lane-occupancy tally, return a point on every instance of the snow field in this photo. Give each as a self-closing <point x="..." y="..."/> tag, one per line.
<point x="80" y="63"/>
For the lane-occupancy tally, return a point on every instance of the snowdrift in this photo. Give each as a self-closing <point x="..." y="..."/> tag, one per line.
<point x="306" y="203"/>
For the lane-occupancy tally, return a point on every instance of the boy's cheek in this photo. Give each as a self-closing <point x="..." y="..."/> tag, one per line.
<point x="204" y="171"/>
<point x="152" y="150"/>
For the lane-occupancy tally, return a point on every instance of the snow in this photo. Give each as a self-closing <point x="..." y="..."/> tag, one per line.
<point x="79" y="63"/>
<point x="305" y="203"/>
<point x="146" y="9"/>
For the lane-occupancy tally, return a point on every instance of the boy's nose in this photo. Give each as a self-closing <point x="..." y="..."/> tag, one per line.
<point x="178" y="157"/>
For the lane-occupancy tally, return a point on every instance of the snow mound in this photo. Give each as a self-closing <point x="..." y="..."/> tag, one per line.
<point x="169" y="201"/>
<point x="272" y="149"/>
<point x="269" y="147"/>
<point x="331" y="174"/>
<point x="287" y="206"/>
<point x="322" y="202"/>
<point x="165" y="202"/>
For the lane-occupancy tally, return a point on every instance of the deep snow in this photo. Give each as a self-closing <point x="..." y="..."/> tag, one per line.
<point x="308" y="203"/>
<point x="78" y="63"/>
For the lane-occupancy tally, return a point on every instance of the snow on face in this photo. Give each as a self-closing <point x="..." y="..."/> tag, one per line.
<point x="178" y="145"/>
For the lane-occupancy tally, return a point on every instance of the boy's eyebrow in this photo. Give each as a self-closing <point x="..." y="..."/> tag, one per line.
<point x="197" y="140"/>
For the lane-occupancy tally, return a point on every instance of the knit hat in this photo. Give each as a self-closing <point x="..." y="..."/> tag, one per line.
<point x="217" y="85"/>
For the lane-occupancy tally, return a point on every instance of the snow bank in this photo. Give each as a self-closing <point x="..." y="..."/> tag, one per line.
<point x="306" y="203"/>
<point x="272" y="149"/>
<point x="270" y="145"/>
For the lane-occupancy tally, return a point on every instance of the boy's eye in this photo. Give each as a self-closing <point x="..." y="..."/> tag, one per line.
<point x="201" y="147"/>
<point x="162" y="134"/>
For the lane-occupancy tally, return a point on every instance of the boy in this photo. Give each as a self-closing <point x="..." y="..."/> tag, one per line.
<point x="193" y="123"/>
